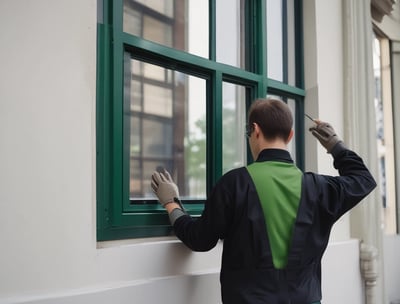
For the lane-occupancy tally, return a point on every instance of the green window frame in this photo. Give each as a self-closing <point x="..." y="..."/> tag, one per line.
<point x="116" y="218"/>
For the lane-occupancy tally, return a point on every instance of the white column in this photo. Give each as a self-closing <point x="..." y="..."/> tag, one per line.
<point x="360" y="135"/>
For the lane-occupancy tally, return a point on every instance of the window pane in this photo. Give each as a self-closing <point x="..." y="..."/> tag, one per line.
<point x="157" y="100"/>
<point x="164" y="7"/>
<point x="158" y="134"/>
<point x="274" y="39"/>
<point x="292" y="105"/>
<point x="132" y="21"/>
<point x="281" y="40"/>
<point x="233" y="130"/>
<point x="180" y="24"/>
<point x="157" y="31"/>
<point x="230" y="32"/>
<point x="291" y="46"/>
<point x="385" y="130"/>
<point x="292" y="144"/>
<point x="165" y="119"/>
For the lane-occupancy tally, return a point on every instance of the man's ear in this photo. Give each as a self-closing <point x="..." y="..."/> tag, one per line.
<point x="257" y="129"/>
<point x="291" y="134"/>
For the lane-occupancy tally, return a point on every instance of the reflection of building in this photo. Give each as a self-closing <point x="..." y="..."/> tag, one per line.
<point x="155" y="96"/>
<point x="65" y="156"/>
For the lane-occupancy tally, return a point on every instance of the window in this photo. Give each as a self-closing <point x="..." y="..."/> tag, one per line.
<point x="231" y="18"/>
<point x="233" y="120"/>
<point x="165" y="120"/>
<point x="175" y="80"/>
<point x="385" y="129"/>
<point x="281" y="40"/>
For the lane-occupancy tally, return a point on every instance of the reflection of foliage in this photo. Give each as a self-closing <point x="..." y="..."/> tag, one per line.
<point x="196" y="150"/>
<point x="196" y="159"/>
<point x="231" y="140"/>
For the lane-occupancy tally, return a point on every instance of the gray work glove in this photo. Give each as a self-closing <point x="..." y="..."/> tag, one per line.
<point x="164" y="187"/>
<point x="326" y="135"/>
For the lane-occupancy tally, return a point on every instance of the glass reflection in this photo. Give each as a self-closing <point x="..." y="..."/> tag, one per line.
<point x="281" y="40"/>
<point x="230" y="32"/>
<point x="179" y="24"/>
<point x="292" y="105"/>
<point x="165" y="119"/>
<point x="233" y="131"/>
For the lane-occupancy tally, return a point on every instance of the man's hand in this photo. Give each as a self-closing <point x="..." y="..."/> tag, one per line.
<point x="164" y="187"/>
<point x="325" y="134"/>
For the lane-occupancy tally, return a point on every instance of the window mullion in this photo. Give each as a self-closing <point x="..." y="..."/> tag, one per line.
<point x="119" y="192"/>
<point x="103" y="127"/>
<point x="259" y="45"/>
<point x="212" y="30"/>
<point x="284" y="41"/>
<point x="214" y="130"/>
<point x="299" y="43"/>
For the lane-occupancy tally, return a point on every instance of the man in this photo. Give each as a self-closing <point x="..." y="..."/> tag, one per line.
<point x="274" y="219"/>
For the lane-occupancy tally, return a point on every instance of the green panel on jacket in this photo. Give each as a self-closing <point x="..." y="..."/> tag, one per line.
<point x="278" y="185"/>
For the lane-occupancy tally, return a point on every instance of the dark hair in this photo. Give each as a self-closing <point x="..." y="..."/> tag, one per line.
<point x="273" y="116"/>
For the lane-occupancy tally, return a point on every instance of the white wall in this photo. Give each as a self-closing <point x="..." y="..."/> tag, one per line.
<point x="323" y="62"/>
<point x="201" y="286"/>
<point x="49" y="252"/>
<point x="47" y="143"/>
<point x="341" y="280"/>
<point x="392" y="267"/>
<point x="47" y="175"/>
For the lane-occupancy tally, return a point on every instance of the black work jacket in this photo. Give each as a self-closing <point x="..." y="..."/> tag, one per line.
<point x="233" y="213"/>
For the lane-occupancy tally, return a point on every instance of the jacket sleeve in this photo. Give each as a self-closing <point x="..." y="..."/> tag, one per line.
<point x="343" y="192"/>
<point x="203" y="233"/>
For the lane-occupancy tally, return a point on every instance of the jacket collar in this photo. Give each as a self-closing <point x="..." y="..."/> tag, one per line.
<point x="274" y="155"/>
